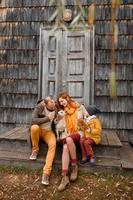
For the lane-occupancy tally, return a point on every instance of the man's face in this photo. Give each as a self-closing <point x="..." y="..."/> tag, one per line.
<point x="51" y="103"/>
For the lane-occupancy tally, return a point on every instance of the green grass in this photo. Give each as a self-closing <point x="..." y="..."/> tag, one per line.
<point x="25" y="183"/>
<point x="18" y="169"/>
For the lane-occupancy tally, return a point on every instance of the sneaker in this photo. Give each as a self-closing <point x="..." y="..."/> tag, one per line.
<point x="45" y="179"/>
<point x="93" y="161"/>
<point x="64" y="183"/>
<point x="74" y="173"/>
<point x="33" y="156"/>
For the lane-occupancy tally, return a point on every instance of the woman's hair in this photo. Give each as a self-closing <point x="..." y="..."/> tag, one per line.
<point x="70" y="101"/>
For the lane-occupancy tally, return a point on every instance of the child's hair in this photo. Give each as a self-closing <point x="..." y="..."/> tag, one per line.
<point x="92" y="110"/>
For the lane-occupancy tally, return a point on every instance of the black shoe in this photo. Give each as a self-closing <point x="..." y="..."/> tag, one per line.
<point x="86" y="160"/>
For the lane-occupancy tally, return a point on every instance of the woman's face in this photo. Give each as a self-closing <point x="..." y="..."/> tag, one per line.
<point x="63" y="102"/>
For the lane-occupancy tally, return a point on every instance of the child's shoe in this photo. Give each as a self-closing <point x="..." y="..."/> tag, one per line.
<point x="93" y="160"/>
<point x="86" y="160"/>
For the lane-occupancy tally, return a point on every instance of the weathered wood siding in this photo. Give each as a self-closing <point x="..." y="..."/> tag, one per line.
<point x="20" y="22"/>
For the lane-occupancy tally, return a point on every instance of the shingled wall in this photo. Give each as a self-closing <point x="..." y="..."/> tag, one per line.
<point x="20" y="21"/>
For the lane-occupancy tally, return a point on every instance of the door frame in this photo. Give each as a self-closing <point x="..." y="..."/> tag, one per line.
<point x="92" y="56"/>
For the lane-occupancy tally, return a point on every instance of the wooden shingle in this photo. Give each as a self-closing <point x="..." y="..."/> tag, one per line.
<point x="20" y="23"/>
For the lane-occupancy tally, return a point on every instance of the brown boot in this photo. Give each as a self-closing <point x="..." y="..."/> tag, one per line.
<point x="74" y="173"/>
<point x="64" y="183"/>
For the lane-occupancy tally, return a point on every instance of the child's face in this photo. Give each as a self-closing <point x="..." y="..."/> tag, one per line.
<point x="63" y="102"/>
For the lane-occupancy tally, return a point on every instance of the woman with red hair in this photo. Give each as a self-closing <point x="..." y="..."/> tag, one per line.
<point x="69" y="149"/>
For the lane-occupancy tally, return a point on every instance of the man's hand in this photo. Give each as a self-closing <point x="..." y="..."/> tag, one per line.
<point x="51" y="115"/>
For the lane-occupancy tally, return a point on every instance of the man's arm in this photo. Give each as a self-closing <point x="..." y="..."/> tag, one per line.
<point x="37" y="117"/>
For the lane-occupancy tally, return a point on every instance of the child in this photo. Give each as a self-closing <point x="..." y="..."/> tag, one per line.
<point x="92" y="135"/>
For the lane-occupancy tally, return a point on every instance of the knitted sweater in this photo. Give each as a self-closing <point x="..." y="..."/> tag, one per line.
<point x="40" y="117"/>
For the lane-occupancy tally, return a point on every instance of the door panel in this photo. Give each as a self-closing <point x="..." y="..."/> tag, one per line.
<point x="76" y="65"/>
<point x="65" y="64"/>
<point x="50" y="63"/>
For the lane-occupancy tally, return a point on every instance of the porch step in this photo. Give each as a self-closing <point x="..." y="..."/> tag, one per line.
<point x="17" y="142"/>
<point x="16" y="139"/>
<point x="22" y="159"/>
<point x="110" y="145"/>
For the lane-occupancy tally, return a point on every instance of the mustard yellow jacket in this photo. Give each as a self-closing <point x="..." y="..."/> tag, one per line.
<point x="94" y="131"/>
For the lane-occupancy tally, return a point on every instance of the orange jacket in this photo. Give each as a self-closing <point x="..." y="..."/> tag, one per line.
<point x="94" y="130"/>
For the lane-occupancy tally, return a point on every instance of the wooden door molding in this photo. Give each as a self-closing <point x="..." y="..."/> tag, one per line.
<point x="66" y="63"/>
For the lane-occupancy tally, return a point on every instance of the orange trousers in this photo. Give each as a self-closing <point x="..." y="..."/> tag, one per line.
<point x="50" y="139"/>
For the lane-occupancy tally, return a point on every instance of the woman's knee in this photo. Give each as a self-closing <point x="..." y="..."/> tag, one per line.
<point x="69" y="140"/>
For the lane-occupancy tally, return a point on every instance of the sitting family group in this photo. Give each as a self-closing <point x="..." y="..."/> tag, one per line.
<point x="70" y="123"/>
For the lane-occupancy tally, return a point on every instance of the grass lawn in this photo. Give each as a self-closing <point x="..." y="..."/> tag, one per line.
<point x="19" y="183"/>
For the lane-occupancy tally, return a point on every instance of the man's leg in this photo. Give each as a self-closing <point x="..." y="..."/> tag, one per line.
<point x="49" y="138"/>
<point x="35" y="136"/>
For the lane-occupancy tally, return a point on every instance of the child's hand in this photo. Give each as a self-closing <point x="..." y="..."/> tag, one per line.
<point x="82" y="124"/>
<point x="88" y="129"/>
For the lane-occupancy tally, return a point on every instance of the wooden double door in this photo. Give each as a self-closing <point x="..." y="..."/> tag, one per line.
<point x="66" y="64"/>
